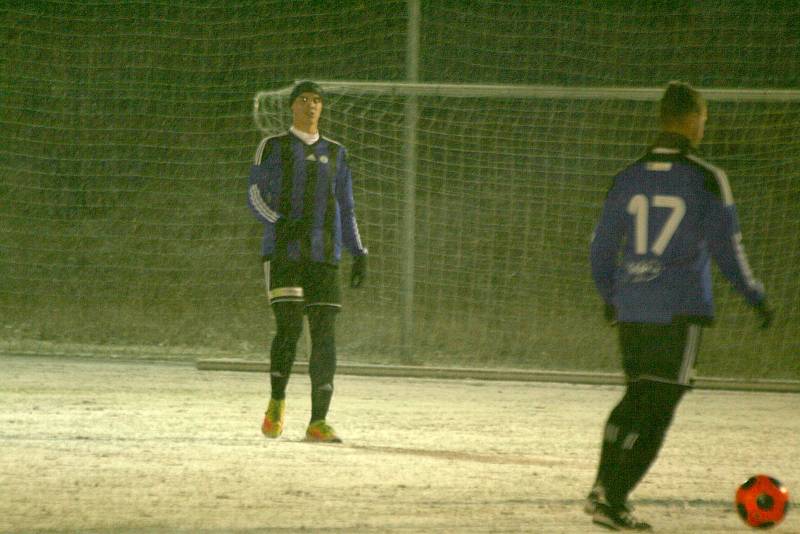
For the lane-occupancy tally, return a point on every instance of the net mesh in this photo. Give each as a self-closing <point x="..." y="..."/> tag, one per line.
<point x="128" y="132"/>
<point x="507" y="193"/>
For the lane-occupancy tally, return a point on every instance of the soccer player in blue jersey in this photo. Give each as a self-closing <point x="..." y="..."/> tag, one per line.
<point x="301" y="189"/>
<point x="664" y="218"/>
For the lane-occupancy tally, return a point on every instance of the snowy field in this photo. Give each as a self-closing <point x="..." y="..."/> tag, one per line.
<point x="101" y="446"/>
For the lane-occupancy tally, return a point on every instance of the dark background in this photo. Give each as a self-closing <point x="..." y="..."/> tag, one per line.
<point x="127" y="133"/>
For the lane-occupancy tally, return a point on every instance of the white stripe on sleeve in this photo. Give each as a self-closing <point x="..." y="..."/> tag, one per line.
<point x="261" y="206"/>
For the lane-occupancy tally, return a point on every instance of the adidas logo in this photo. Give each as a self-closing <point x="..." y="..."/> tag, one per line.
<point x="311" y="157"/>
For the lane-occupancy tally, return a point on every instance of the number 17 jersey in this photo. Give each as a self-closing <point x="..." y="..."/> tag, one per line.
<point x="664" y="218"/>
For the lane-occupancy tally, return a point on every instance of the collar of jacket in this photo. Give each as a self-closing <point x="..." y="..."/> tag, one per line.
<point x="673" y="141"/>
<point x="307" y="138"/>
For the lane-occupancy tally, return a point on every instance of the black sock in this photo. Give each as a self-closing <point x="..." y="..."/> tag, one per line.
<point x="635" y="462"/>
<point x="617" y="426"/>
<point x="640" y="441"/>
<point x="322" y="365"/>
<point x="278" y="383"/>
<point x="289" y="321"/>
<point x="609" y="453"/>
<point x="321" y="401"/>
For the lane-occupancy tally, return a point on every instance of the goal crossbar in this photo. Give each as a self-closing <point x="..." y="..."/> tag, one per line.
<point x="553" y="92"/>
<point x="537" y="91"/>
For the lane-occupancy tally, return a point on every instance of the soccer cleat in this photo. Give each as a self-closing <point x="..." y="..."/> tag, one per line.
<point x="616" y="518"/>
<point x="272" y="427"/>
<point x="321" y="432"/>
<point x="594" y="497"/>
<point x="598" y="495"/>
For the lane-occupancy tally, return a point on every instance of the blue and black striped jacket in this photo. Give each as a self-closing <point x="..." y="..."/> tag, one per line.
<point x="313" y="182"/>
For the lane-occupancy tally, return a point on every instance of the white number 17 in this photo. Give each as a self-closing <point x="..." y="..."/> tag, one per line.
<point x="639" y="207"/>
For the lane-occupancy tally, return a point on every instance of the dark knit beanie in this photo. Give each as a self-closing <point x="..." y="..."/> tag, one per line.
<point x="304" y="87"/>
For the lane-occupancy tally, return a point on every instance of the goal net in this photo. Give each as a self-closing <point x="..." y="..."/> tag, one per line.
<point x="508" y="181"/>
<point x="128" y="130"/>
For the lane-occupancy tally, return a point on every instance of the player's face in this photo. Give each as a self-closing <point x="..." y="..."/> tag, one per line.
<point x="306" y="109"/>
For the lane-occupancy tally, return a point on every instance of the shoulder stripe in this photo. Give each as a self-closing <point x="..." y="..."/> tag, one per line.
<point x="259" y="157"/>
<point x="719" y="175"/>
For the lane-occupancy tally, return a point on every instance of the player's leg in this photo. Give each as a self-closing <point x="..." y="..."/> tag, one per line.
<point x="656" y="404"/>
<point x="322" y="365"/>
<point x="620" y="420"/>
<point x="289" y="321"/>
<point x="289" y="327"/>
<point x="607" y="505"/>
<point x="618" y="424"/>
<point x="660" y="361"/>
<point x="323" y="304"/>
<point x="286" y="299"/>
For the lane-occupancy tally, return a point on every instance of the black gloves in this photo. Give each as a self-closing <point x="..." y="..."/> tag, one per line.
<point x="610" y="314"/>
<point x="358" y="272"/>
<point x="287" y="229"/>
<point x="765" y="314"/>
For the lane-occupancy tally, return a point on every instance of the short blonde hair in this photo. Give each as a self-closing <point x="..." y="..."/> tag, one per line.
<point x="679" y="100"/>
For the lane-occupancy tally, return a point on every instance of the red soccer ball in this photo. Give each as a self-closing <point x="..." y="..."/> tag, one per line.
<point x="762" y="501"/>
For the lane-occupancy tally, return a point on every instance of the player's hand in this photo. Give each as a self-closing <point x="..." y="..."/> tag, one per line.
<point x="358" y="272"/>
<point x="765" y="314"/>
<point x="287" y="229"/>
<point x="610" y="314"/>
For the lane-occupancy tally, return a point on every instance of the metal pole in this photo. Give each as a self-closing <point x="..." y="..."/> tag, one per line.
<point x="409" y="213"/>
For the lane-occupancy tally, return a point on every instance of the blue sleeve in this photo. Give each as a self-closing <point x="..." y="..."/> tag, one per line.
<point x="724" y="239"/>
<point x="260" y="194"/>
<point x="344" y="194"/>
<point x="604" y="249"/>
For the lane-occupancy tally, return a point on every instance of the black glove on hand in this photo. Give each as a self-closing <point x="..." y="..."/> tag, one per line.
<point x="765" y="314"/>
<point x="359" y="271"/>
<point x="610" y="314"/>
<point x="287" y="229"/>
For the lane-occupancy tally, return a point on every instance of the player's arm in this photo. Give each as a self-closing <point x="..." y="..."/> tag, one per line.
<point x="259" y="190"/>
<point x="605" y="245"/>
<point x="724" y="239"/>
<point x="344" y="193"/>
<point x="350" y="236"/>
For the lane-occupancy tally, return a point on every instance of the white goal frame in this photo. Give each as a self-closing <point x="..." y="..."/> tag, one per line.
<point x="411" y="90"/>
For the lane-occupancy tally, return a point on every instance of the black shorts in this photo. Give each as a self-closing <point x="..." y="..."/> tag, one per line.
<point x="660" y="352"/>
<point x="309" y="282"/>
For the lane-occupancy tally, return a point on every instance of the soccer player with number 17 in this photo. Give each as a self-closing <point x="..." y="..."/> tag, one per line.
<point x="668" y="214"/>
